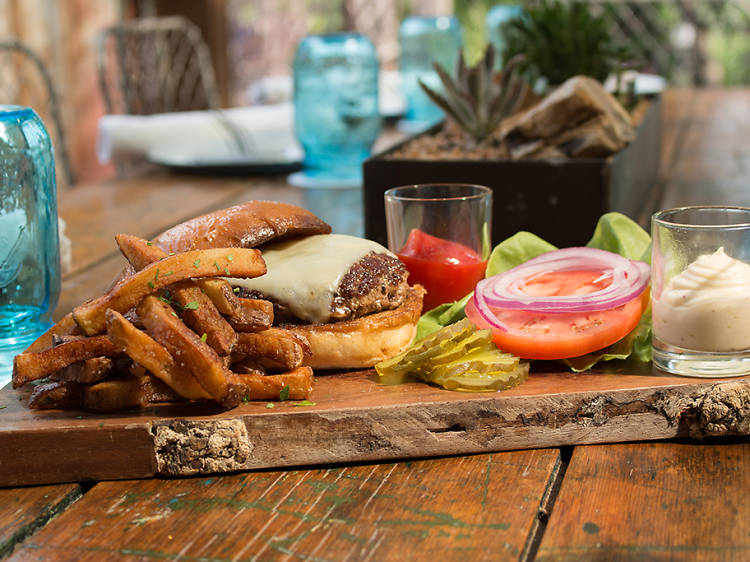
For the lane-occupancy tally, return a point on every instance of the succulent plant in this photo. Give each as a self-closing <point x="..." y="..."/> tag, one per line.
<point x="563" y="39"/>
<point x="478" y="99"/>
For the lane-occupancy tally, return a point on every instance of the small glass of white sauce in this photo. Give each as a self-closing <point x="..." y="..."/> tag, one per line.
<point x="700" y="291"/>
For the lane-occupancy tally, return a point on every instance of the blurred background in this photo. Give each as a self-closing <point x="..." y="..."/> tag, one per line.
<point x="697" y="43"/>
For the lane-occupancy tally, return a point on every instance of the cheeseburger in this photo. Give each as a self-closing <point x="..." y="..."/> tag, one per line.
<point x="348" y="296"/>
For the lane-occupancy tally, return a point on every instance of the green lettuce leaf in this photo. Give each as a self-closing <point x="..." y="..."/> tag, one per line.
<point x="615" y="233"/>
<point x="514" y="251"/>
<point x="441" y="316"/>
<point x="619" y="234"/>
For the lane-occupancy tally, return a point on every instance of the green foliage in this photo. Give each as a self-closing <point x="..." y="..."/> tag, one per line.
<point x="561" y="40"/>
<point x="475" y="99"/>
<point x="733" y="51"/>
<point x="472" y="14"/>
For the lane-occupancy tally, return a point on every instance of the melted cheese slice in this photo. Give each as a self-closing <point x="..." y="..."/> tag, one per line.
<point x="304" y="274"/>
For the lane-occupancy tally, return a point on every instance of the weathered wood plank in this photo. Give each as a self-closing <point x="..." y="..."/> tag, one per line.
<point x="479" y="507"/>
<point x="87" y="284"/>
<point x="25" y="510"/>
<point x="712" y="163"/>
<point x="356" y="419"/>
<point x="656" y="501"/>
<point x="677" y="108"/>
<point x="94" y="213"/>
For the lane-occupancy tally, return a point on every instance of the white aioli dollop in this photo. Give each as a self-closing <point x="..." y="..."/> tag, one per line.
<point x="707" y="306"/>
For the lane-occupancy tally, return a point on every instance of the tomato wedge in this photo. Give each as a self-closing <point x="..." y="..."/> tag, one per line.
<point x="534" y="335"/>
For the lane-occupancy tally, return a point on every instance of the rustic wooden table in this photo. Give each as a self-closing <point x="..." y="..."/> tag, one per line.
<point x="657" y="500"/>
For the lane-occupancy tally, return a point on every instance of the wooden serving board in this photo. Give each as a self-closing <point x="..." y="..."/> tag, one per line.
<point x="356" y="418"/>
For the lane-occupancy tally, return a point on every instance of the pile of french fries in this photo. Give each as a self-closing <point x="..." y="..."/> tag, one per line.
<point x="172" y="330"/>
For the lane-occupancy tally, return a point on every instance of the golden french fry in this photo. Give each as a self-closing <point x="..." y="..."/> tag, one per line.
<point x="222" y="295"/>
<point x="138" y="252"/>
<point x="253" y="315"/>
<point x="272" y="349"/>
<point x="189" y="352"/>
<point x="28" y="367"/>
<point x="89" y="371"/>
<point x="123" y="394"/>
<point x="145" y="351"/>
<point x="200" y="314"/>
<point x="282" y="333"/>
<point x="248" y="367"/>
<point x="65" y="327"/>
<point x="199" y="311"/>
<point x="269" y="387"/>
<point x="58" y="395"/>
<point x="129" y="292"/>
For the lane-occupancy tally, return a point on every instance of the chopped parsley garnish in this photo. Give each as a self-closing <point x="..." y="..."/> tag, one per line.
<point x="304" y="403"/>
<point x="197" y="263"/>
<point x="226" y="270"/>
<point x="204" y="337"/>
<point x="284" y="394"/>
<point x="245" y="399"/>
<point x="149" y="244"/>
<point x="230" y="257"/>
<point x="156" y="277"/>
<point x="171" y="253"/>
<point x="151" y="285"/>
<point x="269" y="405"/>
<point x="192" y="305"/>
<point x="236" y="289"/>
<point x="174" y="314"/>
<point x="216" y="265"/>
<point x="167" y="274"/>
<point x="166" y="300"/>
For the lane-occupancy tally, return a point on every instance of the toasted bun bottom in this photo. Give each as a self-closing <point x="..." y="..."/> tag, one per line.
<point x="363" y="342"/>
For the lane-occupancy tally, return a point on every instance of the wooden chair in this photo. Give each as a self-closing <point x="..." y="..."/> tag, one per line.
<point x="24" y="80"/>
<point x="155" y="65"/>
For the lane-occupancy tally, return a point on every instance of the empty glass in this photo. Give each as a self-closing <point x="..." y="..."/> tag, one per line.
<point x="29" y="253"/>
<point x="337" y="116"/>
<point x="493" y="23"/>
<point x="424" y="41"/>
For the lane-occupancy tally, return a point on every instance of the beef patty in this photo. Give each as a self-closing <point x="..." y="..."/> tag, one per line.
<point x="375" y="283"/>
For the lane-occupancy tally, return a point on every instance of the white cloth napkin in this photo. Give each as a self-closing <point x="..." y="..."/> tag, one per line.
<point x="258" y="134"/>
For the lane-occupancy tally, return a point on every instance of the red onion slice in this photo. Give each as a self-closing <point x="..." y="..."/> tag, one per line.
<point x="629" y="279"/>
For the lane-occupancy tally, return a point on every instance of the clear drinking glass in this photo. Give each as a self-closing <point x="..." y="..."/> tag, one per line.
<point x="424" y="41"/>
<point x="493" y="22"/>
<point x="29" y="252"/>
<point x="442" y="233"/>
<point x="336" y="109"/>
<point x="700" y="290"/>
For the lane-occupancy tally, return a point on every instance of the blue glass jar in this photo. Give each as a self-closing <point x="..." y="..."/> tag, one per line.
<point x="29" y="250"/>
<point x="496" y="17"/>
<point x="336" y="110"/>
<point x="424" y="41"/>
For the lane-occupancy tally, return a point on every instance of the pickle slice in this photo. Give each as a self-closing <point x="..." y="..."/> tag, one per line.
<point x="484" y="382"/>
<point x="482" y="360"/>
<point x="458" y="357"/>
<point x="426" y="348"/>
<point x="478" y="339"/>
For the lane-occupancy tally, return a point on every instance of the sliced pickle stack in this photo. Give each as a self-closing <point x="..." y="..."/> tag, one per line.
<point x="458" y="357"/>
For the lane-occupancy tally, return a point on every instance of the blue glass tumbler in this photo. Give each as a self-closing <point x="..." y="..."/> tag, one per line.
<point x="29" y="249"/>
<point x="493" y="23"/>
<point x="424" y="41"/>
<point x="336" y="109"/>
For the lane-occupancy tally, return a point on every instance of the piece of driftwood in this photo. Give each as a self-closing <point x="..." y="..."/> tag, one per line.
<point x="356" y="418"/>
<point x="579" y="119"/>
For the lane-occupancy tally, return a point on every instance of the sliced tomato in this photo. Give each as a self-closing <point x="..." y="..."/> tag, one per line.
<point x="534" y="335"/>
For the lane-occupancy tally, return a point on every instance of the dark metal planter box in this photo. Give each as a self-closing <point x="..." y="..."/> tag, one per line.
<point x="559" y="201"/>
